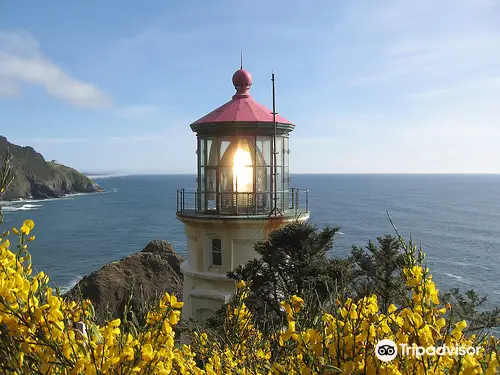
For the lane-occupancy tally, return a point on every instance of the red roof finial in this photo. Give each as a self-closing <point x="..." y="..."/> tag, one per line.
<point x="242" y="80"/>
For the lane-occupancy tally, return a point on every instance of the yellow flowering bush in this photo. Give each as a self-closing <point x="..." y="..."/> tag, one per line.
<point x="42" y="333"/>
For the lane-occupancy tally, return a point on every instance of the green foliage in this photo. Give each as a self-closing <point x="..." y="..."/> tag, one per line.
<point x="377" y="270"/>
<point x="470" y="307"/>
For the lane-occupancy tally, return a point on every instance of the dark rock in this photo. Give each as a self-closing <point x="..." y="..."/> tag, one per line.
<point x="41" y="191"/>
<point x="166" y="251"/>
<point x="145" y="276"/>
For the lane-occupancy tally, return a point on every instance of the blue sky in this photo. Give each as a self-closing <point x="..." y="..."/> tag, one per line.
<point x="373" y="86"/>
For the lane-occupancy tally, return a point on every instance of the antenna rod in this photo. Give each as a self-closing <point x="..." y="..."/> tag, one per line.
<point x="274" y="149"/>
<point x="241" y="59"/>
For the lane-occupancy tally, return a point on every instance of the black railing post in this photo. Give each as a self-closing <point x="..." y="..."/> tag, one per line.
<point x="237" y="201"/>
<point x="297" y="192"/>
<point x="183" y="199"/>
<point x="307" y="200"/>
<point x="177" y="201"/>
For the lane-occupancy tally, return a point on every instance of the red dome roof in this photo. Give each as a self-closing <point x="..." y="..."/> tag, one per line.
<point x="242" y="108"/>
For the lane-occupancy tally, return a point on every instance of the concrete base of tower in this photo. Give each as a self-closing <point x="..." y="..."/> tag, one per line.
<point x="204" y="292"/>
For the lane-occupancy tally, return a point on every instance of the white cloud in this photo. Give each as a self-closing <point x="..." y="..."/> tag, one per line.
<point x="21" y="61"/>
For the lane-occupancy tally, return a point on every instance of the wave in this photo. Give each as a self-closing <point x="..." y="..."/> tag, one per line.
<point x="68" y="196"/>
<point x="70" y="285"/>
<point x="28" y="204"/>
<point x="341" y="233"/>
<point x="12" y="202"/>
<point x="459" y="278"/>
<point x="471" y="265"/>
<point x="461" y="264"/>
<point x="24" y="207"/>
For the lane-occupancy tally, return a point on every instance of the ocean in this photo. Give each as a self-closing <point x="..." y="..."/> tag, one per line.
<point x="455" y="217"/>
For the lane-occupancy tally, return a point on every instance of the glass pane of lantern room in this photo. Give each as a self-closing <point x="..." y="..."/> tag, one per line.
<point x="279" y="179"/>
<point x="201" y="187"/>
<point x="201" y="152"/>
<point x="201" y="179"/>
<point x="224" y="144"/>
<point x="226" y="190"/>
<point x="263" y="184"/>
<point x="263" y="151"/>
<point x="210" y="188"/>
<point x="286" y="187"/>
<point x="286" y="151"/>
<point x="279" y="150"/>
<point x="211" y="152"/>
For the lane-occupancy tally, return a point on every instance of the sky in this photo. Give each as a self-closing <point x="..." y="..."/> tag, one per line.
<point x="391" y="86"/>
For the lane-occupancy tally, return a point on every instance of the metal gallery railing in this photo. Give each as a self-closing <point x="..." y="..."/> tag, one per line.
<point x="196" y="203"/>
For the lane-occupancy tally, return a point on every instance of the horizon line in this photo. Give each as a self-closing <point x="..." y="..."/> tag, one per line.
<point x="117" y="174"/>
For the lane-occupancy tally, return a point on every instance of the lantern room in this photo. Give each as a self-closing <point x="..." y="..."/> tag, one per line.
<point x="243" y="160"/>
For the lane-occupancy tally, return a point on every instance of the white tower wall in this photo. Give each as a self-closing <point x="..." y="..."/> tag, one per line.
<point x="206" y="286"/>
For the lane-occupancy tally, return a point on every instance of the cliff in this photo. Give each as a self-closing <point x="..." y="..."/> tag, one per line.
<point x="36" y="178"/>
<point x="141" y="277"/>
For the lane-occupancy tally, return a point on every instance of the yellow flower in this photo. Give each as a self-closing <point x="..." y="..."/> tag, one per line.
<point x="241" y="284"/>
<point x="25" y="229"/>
<point x="174" y="317"/>
<point x="15" y="231"/>
<point x="29" y="223"/>
<point x="175" y="304"/>
<point x="115" y="323"/>
<point x="32" y="238"/>
<point x="297" y="303"/>
<point x="128" y="353"/>
<point x="147" y="352"/>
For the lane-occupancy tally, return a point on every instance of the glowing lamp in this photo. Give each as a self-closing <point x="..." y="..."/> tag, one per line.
<point x="242" y="169"/>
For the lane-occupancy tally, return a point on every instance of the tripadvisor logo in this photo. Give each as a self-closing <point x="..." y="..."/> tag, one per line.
<point x="386" y="350"/>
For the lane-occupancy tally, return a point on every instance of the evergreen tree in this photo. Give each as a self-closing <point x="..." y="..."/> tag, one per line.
<point x="377" y="270"/>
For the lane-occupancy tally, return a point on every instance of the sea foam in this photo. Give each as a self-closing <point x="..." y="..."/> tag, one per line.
<point x="24" y="207"/>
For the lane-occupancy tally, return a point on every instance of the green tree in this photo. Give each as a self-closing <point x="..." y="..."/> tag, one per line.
<point x="377" y="270"/>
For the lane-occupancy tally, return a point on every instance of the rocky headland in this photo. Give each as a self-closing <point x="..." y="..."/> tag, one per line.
<point x="34" y="177"/>
<point x="138" y="279"/>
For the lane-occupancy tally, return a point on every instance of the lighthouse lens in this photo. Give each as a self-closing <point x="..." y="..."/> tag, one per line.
<point x="242" y="169"/>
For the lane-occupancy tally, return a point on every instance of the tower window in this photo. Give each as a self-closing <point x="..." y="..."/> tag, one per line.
<point x="216" y="252"/>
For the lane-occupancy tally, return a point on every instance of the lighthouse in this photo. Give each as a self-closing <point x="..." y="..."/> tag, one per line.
<point x="243" y="193"/>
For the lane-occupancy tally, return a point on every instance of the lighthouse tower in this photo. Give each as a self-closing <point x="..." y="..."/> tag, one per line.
<point x="243" y="193"/>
